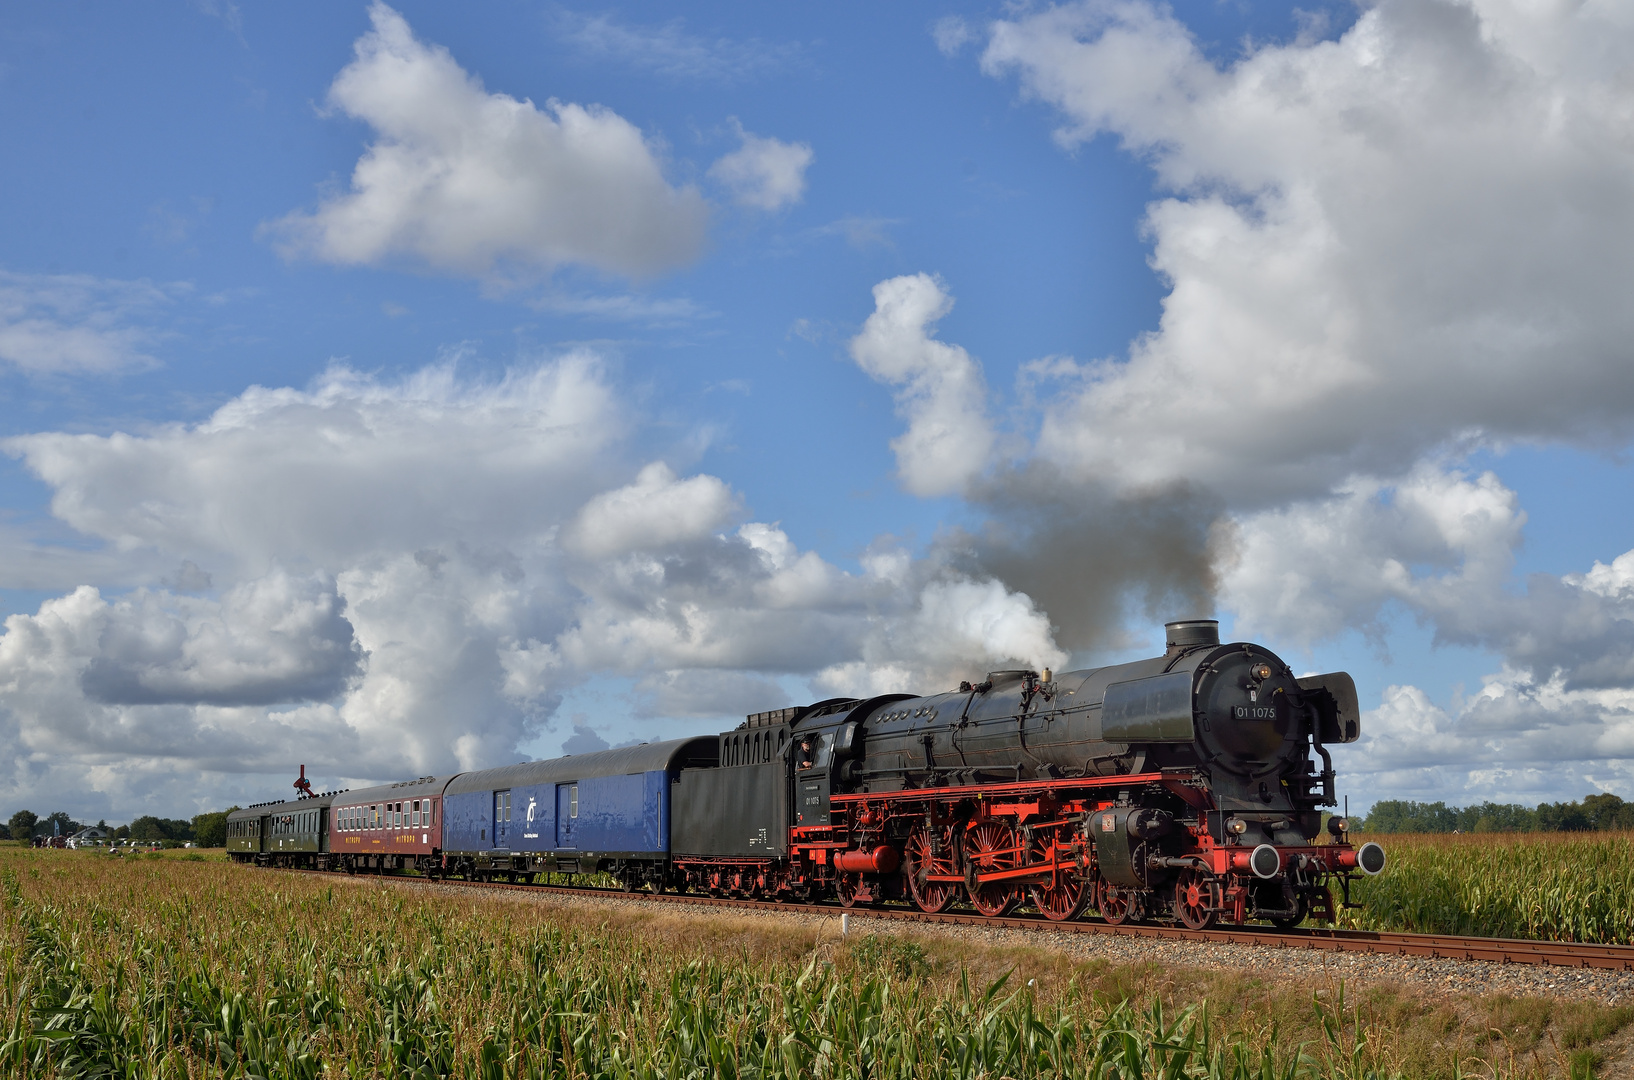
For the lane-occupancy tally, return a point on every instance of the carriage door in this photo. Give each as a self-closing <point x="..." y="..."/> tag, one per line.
<point x="502" y="819"/>
<point x="567" y="814"/>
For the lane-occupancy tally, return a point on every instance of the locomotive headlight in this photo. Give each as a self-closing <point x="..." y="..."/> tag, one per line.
<point x="1260" y="672"/>
<point x="1338" y="826"/>
<point x="1236" y="826"/>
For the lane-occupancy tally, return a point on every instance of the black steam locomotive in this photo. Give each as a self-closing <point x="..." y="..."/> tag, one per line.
<point x="1188" y="786"/>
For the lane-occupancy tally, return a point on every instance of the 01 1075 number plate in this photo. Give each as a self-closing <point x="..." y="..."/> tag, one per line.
<point x="1253" y="712"/>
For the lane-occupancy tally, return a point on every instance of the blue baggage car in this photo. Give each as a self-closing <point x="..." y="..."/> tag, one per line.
<point x="607" y="811"/>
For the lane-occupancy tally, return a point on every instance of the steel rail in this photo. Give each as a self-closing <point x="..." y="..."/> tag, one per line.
<point x="1569" y="954"/>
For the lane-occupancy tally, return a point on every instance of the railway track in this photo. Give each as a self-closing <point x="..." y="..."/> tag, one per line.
<point x="1438" y="946"/>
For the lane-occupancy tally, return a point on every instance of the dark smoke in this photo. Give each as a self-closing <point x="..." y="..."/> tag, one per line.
<point x="1092" y="560"/>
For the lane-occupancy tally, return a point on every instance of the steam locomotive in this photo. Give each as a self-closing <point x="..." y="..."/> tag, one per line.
<point x="1187" y="786"/>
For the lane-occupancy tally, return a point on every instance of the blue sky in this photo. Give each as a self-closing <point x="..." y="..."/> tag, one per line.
<point x="401" y="389"/>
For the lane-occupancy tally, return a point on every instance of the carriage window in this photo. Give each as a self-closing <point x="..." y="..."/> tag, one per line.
<point x="573" y="801"/>
<point x="414" y="814"/>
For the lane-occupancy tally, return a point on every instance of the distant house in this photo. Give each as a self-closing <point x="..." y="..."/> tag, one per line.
<point x="87" y="837"/>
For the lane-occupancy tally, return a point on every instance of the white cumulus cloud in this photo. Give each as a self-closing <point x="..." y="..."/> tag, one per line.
<point x="765" y="173"/>
<point x="381" y="578"/>
<point x="939" y="387"/>
<point x="1415" y="233"/>
<point x="463" y="179"/>
<point x="349" y="466"/>
<point x="657" y="511"/>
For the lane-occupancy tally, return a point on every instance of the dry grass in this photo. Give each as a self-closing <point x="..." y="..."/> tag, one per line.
<point x="182" y="966"/>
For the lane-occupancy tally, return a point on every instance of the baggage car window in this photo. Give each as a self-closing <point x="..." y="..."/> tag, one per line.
<point x="573" y="801"/>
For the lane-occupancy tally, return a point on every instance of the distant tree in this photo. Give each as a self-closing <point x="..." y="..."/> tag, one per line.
<point x="148" y="827"/>
<point x="1607" y="811"/>
<point x="1401" y="816"/>
<point x="122" y="833"/>
<point x="1497" y="817"/>
<point x="22" y="824"/>
<point x="210" y="830"/>
<point x="1562" y="817"/>
<point x="58" y="824"/>
<point x="5" y="832"/>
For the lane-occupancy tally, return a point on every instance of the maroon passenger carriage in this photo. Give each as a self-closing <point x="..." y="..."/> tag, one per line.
<point x="391" y="827"/>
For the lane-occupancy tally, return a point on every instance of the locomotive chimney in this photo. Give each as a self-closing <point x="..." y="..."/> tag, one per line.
<point x="1190" y="633"/>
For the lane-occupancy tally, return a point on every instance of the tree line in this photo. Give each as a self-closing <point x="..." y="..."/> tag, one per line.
<point x="205" y="830"/>
<point x="1594" y="812"/>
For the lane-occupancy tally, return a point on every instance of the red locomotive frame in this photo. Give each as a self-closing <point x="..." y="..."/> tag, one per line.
<point x="989" y="845"/>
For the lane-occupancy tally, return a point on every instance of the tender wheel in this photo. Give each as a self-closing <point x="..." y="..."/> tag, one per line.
<point x="991" y="846"/>
<point x="1117" y="906"/>
<point x="1288" y="922"/>
<point x="921" y="859"/>
<point x="1197" y="899"/>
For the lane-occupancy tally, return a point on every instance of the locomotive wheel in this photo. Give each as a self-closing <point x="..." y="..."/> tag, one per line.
<point x="1117" y="906"/>
<point x="1064" y="900"/>
<point x="846" y="886"/>
<point x="988" y="847"/>
<point x="920" y="860"/>
<point x="1288" y="922"/>
<point x="1197" y="899"/>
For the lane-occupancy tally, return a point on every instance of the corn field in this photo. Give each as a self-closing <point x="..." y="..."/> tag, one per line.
<point x="175" y="969"/>
<point x="188" y="967"/>
<point x="1549" y="886"/>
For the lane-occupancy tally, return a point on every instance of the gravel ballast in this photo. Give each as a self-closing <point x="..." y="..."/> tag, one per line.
<point x="1439" y="976"/>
